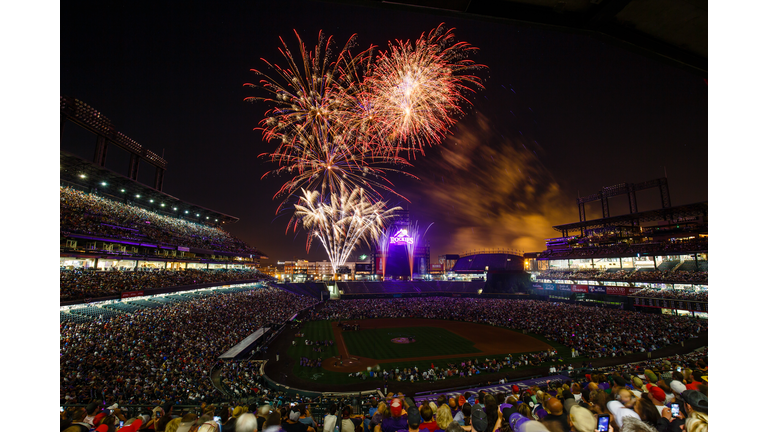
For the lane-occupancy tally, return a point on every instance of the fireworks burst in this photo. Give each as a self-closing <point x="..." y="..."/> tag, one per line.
<point x="341" y="222"/>
<point x="416" y="91"/>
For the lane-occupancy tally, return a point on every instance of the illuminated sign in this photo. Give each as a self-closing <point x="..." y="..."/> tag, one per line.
<point x="401" y="237"/>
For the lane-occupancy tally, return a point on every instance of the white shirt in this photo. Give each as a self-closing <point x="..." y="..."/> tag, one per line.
<point x="619" y="412"/>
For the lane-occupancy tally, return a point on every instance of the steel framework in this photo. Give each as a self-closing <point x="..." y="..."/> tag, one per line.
<point x="87" y="117"/>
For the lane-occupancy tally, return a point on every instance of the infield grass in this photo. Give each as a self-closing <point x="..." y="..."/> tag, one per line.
<point x="429" y="341"/>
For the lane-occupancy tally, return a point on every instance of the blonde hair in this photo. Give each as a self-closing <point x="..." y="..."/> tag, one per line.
<point x="209" y="426"/>
<point x="697" y="422"/>
<point x="433" y="406"/>
<point x="443" y="417"/>
<point x="173" y="425"/>
<point x="382" y="408"/>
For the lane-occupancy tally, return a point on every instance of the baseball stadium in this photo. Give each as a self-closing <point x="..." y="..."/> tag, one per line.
<point x="178" y="317"/>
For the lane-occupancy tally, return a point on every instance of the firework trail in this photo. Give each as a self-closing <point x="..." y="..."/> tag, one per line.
<point x="417" y="236"/>
<point x="341" y="222"/>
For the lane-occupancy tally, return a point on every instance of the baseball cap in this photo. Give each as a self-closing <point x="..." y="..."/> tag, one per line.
<point x="396" y="407"/>
<point x="583" y="420"/>
<point x="516" y="421"/>
<point x="696" y="399"/>
<point x="620" y="381"/>
<point x="657" y="393"/>
<point x="677" y="386"/>
<point x="516" y="389"/>
<point x="479" y="419"/>
<point x="650" y="375"/>
<point x="113" y="406"/>
<point x="414" y="418"/>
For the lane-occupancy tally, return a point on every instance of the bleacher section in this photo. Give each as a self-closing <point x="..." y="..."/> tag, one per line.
<point x="410" y="287"/>
<point x="668" y="265"/>
<point x="311" y="289"/>
<point x="491" y="262"/>
<point x="84" y="314"/>
<point x="690" y="266"/>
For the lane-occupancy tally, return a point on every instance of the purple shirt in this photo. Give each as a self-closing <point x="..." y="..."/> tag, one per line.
<point x="393" y="424"/>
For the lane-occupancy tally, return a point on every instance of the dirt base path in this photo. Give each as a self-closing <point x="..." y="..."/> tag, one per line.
<point x="488" y="339"/>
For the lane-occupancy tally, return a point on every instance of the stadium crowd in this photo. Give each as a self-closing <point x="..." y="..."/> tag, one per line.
<point x="673" y="294"/>
<point x="608" y="333"/>
<point x="164" y="353"/>
<point x="461" y="368"/>
<point x="80" y="284"/>
<point x="626" y="249"/>
<point x="622" y="275"/>
<point x="629" y="401"/>
<point x="90" y="214"/>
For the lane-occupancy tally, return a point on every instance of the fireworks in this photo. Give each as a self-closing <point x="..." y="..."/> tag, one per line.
<point x="341" y="221"/>
<point x="343" y="121"/>
<point x="416" y="90"/>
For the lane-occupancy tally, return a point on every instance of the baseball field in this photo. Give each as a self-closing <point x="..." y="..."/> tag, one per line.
<point x="402" y="343"/>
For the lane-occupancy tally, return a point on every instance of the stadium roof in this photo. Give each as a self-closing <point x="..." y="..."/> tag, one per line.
<point x="674" y="31"/>
<point x="670" y="213"/>
<point x="79" y="171"/>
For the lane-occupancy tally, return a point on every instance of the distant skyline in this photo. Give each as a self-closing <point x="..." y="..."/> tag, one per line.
<point x="561" y="115"/>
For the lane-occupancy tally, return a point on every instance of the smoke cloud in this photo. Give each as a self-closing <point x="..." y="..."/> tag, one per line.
<point x="484" y="191"/>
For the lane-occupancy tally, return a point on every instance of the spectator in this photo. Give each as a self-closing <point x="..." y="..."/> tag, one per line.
<point x="349" y="422"/>
<point x="396" y="420"/>
<point x="428" y="423"/>
<point x="443" y="417"/>
<point x="581" y="420"/>
<point x="247" y="423"/>
<point x="332" y="421"/>
<point x="414" y="418"/>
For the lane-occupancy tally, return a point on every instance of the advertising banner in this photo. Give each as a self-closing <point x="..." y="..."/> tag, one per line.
<point x="549" y="286"/>
<point x="561" y="287"/>
<point x="579" y="288"/>
<point x="616" y="290"/>
<point x="129" y="294"/>
<point x="632" y="290"/>
<point x="537" y="286"/>
<point x="596" y="289"/>
<point x="436" y="267"/>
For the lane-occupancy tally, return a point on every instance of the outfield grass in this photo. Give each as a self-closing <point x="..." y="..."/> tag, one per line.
<point x="315" y="330"/>
<point x="430" y="341"/>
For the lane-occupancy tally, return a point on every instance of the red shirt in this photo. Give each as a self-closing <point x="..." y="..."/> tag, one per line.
<point x="430" y="426"/>
<point x="693" y="386"/>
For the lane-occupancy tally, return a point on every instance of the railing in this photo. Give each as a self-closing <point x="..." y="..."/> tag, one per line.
<point x="516" y="252"/>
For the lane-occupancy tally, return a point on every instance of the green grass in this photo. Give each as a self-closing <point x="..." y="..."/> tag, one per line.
<point x="315" y="330"/>
<point x="430" y="341"/>
<point x="323" y="330"/>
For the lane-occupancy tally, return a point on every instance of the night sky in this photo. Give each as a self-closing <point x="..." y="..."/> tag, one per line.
<point x="561" y="114"/>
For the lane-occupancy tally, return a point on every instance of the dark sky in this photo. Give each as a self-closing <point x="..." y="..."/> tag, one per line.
<point x="561" y="114"/>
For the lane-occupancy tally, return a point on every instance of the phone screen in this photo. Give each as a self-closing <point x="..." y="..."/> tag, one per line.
<point x="602" y="423"/>
<point x="217" y="419"/>
<point x="121" y="423"/>
<point x="675" y="409"/>
<point x="679" y="369"/>
<point x="61" y="409"/>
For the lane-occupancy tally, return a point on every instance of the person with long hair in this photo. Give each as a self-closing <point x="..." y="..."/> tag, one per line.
<point x="492" y="412"/>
